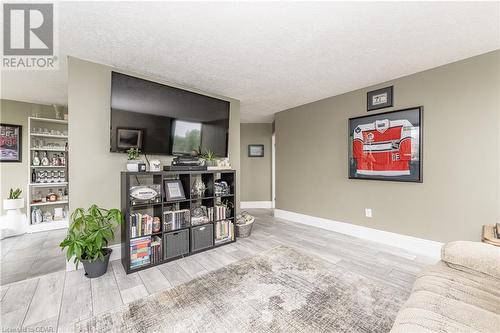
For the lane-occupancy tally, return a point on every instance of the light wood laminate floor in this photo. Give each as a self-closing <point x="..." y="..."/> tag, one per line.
<point x="57" y="300"/>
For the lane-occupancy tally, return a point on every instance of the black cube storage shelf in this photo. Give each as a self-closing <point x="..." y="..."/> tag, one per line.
<point x="197" y="240"/>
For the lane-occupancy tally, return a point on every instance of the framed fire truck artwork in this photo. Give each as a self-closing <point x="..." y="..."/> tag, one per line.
<point x="387" y="146"/>
<point x="10" y="143"/>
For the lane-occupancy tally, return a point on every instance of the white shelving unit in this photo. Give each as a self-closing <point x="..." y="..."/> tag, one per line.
<point x="44" y="136"/>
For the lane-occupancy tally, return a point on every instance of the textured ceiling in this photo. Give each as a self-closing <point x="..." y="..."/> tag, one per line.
<point x="271" y="56"/>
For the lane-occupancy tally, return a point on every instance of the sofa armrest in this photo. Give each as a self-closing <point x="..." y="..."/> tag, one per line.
<point x="480" y="257"/>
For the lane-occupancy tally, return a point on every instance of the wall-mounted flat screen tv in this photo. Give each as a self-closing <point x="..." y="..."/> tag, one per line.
<point x="164" y="120"/>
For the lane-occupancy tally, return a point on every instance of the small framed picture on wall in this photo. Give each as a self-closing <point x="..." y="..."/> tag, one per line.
<point x="10" y="143"/>
<point x="255" y="150"/>
<point x="379" y="99"/>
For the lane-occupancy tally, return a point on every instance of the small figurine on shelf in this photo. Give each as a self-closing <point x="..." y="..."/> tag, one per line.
<point x="51" y="196"/>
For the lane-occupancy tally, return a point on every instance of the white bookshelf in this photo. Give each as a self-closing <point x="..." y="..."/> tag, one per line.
<point x="56" y="134"/>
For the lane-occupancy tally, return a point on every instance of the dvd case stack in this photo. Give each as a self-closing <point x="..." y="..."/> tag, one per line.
<point x="224" y="231"/>
<point x="156" y="254"/>
<point x="140" y="250"/>
<point x="177" y="219"/>
<point x="140" y="225"/>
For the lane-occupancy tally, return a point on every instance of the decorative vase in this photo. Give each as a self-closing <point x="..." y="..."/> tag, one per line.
<point x="97" y="268"/>
<point x="198" y="189"/>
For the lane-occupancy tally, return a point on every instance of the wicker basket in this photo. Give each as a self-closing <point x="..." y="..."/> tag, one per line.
<point x="244" y="230"/>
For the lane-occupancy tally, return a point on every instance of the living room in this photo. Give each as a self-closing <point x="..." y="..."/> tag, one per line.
<point x="250" y="167"/>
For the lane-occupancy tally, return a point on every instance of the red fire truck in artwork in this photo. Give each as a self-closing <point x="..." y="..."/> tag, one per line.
<point x="383" y="148"/>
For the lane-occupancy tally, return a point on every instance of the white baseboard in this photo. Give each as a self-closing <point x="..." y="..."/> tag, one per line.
<point x="256" y="204"/>
<point x="115" y="255"/>
<point x="428" y="248"/>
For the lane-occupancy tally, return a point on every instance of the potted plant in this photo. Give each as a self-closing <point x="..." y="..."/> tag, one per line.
<point x="14" y="201"/>
<point x="229" y="206"/>
<point x="133" y="159"/>
<point x="14" y="223"/>
<point x="209" y="157"/>
<point x="88" y="235"/>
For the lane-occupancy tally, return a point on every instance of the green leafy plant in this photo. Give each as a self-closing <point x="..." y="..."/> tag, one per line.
<point x="208" y="155"/>
<point x="133" y="153"/>
<point x="228" y="204"/>
<point x="15" y="194"/>
<point x="89" y="233"/>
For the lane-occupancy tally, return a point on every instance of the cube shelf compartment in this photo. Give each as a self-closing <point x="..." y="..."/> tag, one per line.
<point x="180" y="235"/>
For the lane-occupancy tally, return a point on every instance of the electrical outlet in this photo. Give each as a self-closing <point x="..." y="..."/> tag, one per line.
<point x="368" y="212"/>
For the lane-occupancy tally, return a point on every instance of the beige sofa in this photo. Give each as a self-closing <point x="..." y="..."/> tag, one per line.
<point x="461" y="293"/>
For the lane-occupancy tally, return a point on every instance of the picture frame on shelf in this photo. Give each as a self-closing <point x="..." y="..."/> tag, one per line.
<point x="387" y="146"/>
<point x="10" y="143"/>
<point x="127" y="138"/>
<point x="255" y="150"/>
<point x="174" y="190"/>
<point x="380" y="98"/>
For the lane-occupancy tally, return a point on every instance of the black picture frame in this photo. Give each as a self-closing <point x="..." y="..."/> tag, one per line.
<point x="11" y="143"/>
<point x="169" y="195"/>
<point x="380" y="98"/>
<point x="124" y="134"/>
<point x="255" y="150"/>
<point x="402" y="163"/>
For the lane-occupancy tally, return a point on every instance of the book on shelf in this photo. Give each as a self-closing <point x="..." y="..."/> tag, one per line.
<point x="140" y="251"/>
<point x="224" y="231"/>
<point x="140" y="224"/>
<point x="156" y="253"/>
<point x="210" y="213"/>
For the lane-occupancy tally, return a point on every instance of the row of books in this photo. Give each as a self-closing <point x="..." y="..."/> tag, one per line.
<point x="224" y="231"/>
<point x="219" y="213"/>
<point x="140" y="249"/>
<point x="156" y="254"/>
<point x="140" y="224"/>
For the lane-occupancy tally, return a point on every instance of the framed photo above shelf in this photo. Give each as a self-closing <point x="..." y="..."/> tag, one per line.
<point x="255" y="150"/>
<point x="387" y="146"/>
<point x="174" y="190"/>
<point x="127" y="138"/>
<point x="380" y="98"/>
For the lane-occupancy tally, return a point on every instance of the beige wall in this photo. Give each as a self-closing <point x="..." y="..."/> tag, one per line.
<point x="460" y="191"/>
<point x="15" y="175"/>
<point x="94" y="171"/>
<point x="256" y="171"/>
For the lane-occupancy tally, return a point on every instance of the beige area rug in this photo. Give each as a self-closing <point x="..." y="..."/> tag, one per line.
<point x="281" y="290"/>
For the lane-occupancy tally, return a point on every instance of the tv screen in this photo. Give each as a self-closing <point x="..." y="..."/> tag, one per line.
<point x="164" y="120"/>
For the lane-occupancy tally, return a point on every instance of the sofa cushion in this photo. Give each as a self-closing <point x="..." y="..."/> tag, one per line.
<point x="444" y="299"/>
<point x="475" y="256"/>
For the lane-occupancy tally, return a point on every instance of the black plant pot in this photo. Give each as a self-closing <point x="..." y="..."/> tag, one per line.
<point x="97" y="268"/>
